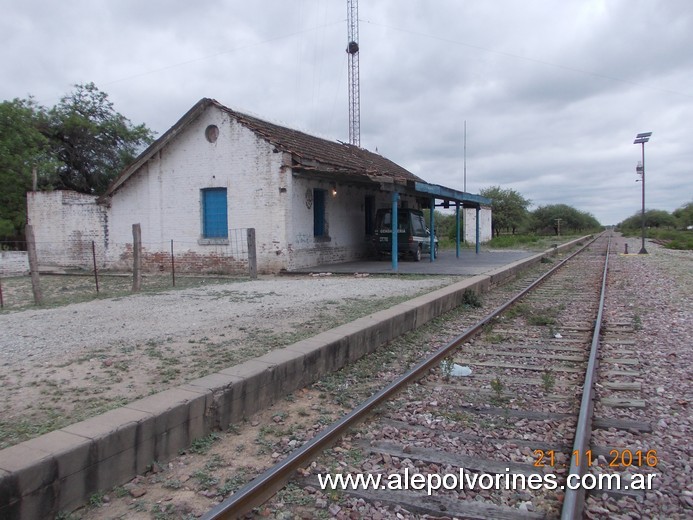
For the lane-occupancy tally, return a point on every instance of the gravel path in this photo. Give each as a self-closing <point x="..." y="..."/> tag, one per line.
<point x="34" y="337"/>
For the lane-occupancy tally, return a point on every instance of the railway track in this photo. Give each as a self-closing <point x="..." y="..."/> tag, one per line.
<point x="498" y="443"/>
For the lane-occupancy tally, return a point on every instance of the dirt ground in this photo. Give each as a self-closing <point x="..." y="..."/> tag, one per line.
<point x="64" y="364"/>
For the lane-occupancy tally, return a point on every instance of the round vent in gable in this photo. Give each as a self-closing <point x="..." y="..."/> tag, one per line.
<point x="212" y="133"/>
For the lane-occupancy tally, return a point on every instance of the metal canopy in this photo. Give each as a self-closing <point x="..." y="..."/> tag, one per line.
<point x="468" y="200"/>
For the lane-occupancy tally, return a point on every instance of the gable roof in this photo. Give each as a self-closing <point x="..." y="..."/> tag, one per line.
<point x="308" y="152"/>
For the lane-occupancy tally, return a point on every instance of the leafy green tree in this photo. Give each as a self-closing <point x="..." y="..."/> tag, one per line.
<point x="654" y="218"/>
<point x="562" y="218"/>
<point x="81" y="144"/>
<point x="445" y="226"/>
<point x="91" y="141"/>
<point x="21" y="150"/>
<point x="684" y="216"/>
<point x="509" y="208"/>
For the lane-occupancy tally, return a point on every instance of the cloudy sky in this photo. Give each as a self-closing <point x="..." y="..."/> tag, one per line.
<point x="552" y="92"/>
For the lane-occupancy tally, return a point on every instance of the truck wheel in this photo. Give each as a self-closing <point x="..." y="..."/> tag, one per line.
<point x="417" y="254"/>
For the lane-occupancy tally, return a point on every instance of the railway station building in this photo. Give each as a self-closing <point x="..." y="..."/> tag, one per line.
<point x="311" y="201"/>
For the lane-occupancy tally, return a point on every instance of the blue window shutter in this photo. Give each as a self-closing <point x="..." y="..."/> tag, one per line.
<point x="215" y="213"/>
<point x="319" y="213"/>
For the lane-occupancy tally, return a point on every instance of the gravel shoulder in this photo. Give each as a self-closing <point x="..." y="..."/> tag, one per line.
<point x="64" y="364"/>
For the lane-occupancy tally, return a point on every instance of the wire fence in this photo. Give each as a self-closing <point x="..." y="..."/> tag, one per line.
<point x="91" y="267"/>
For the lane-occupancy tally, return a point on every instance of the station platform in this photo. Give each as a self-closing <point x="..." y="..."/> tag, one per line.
<point x="468" y="264"/>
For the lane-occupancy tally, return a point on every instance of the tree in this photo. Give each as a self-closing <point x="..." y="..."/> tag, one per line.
<point x="445" y="224"/>
<point x="80" y="144"/>
<point x="562" y="218"/>
<point x="654" y="218"/>
<point x="684" y="216"/>
<point x="21" y="150"/>
<point x="509" y="208"/>
<point x="91" y="141"/>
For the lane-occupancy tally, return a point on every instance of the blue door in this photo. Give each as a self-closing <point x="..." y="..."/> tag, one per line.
<point x="214" y="213"/>
<point x="318" y="213"/>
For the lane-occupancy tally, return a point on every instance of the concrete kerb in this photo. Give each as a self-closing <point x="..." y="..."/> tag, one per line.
<point x="60" y="470"/>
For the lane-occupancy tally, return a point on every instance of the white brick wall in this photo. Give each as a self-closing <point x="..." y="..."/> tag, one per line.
<point x="65" y="224"/>
<point x="470" y="225"/>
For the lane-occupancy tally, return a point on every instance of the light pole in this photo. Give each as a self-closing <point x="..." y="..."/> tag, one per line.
<point x="641" y="139"/>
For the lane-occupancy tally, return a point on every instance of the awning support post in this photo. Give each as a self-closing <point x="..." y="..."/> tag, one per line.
<point x="457" y="228"/>
<point x="432" y="249"/>
<point x="477" y="230"/>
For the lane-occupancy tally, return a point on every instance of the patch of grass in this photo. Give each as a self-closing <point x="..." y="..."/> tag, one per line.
<point x="215" y="462"/>
<point x="203" y="444"/>
<point x="164" y="512"/>
<point x="508" y="241"/>
<point x="532" y="315"/>
<point x="172" y="483"/>
<point x="294" y="495"/>
<point x="64" y="515"/>
<point x="120" y="492"/>
<point x="61" y="290"/>
<point x="233" y="484"/>
<point x="528" y="241"/>
<point x="541" y="319"/>
<point x="669" y="238"/>
<point x="497" y="386"/>
<point x="205" y="479"/>
<point x="139" y="506"/>
<point x="96" y="499"/>
<point x="519" y="309"/>
<point x="637" y="322"/>
<point x="548" y="380"/>
<point x="471" y="299"/>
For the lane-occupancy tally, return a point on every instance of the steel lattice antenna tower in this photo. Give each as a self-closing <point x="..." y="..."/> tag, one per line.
<point x="354" y="87"/>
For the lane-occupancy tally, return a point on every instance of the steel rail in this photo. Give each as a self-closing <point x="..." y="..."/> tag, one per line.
<point x="574" y="500"/>
<point x="266" y="485"/>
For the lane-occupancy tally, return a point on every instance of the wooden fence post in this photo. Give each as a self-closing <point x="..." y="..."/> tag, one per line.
<point x="136" y="258"/>
<point x="252" y="254"/>
<point x="173" y="266"/>
<point x="33" y="264"/>
<point x="96" y="272"/>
